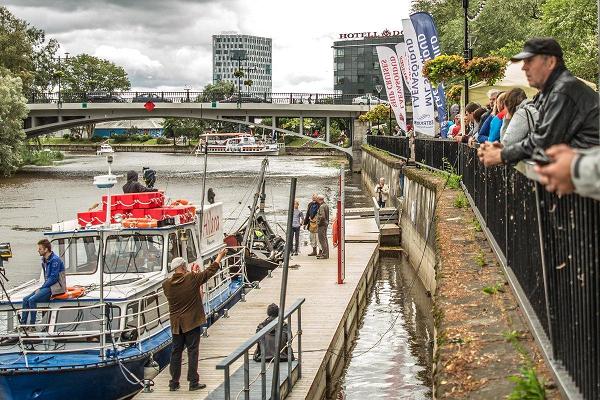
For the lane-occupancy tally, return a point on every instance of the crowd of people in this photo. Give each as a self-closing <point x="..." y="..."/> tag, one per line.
<point x="558" y="128"/>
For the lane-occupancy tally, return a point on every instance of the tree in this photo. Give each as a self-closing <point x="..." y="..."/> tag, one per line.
<point x="217" y="91"/>
<point x="189" y="127"/>
<point x="13" y="109"/>
<point x="84" y="74"/>
<point x="27" y="53"/>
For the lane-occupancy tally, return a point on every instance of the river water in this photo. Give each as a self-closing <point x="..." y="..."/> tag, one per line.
<point x="31" y="201"/>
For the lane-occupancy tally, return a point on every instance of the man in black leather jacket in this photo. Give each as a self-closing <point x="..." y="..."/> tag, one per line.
<point x="133" y="186"/>
<point x="568" y="107"/>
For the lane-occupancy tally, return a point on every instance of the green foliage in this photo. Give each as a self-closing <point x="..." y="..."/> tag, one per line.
<point x="379" y="113"/>
<point x="493" y="289"/>
<point x="527" y="386"/>
<point x="239" y="73"/>
<point x="96" y="139"/>
<point x="476" y="225"/>
<point x="40" y="158"/>
<point x="461" y="201"/>
<point x="189" y="127"/>
<point x="121" y="138"/>
<point x="162" y="140"/>
<point x="85" y="74"/>
<point x="26" y="52"/>
<point x="480" y="259"/>
<point x="13" y="110"/>
<point x="488" y="69"/>
<point x="217" y="91"/>
<point x="444" y="68"/>
<point x="511" y="336"/>
<point x="453" y="93"/>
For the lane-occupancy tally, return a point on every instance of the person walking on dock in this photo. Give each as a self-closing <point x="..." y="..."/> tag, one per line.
<point x="186" y="313"/>
<point x="310" y="223"/>
<point x="297" y="222"/>
<point x="322" y="224"/>
<point x="382" y="190"/>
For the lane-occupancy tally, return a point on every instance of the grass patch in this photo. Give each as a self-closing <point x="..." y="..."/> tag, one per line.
<point x="296" y="142"/>
<point x="527" y="386"/>
<point x="480" y="259"/>
<point x="41" y="158"/>
<point x="461" y="201"/>
<point x="493" y="289"/>
<point x="476" y="225"/>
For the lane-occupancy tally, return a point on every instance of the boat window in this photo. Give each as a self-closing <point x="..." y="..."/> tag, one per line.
<point x="130" y="332"/>
<point x="151" y="317"/>
<point x="191" y="248"/>
<point x="74" y="319"/>
<point x="133" y="253"/>
<point x="163" y="307"/>
<point x="79" y="254"/>
<point x="173" y="249"/>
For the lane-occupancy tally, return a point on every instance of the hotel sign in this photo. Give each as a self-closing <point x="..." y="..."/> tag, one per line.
<point x="365" y="35"/>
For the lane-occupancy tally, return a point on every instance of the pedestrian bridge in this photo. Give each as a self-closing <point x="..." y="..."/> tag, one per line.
<point x="45" y="118"/>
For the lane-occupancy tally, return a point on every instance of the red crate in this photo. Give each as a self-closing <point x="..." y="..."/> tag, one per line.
<point x="98" y="217"/>
<point x="131" y="201"/>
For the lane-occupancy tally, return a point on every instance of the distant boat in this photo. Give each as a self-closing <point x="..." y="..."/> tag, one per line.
<point x="104" y="149"/>
<point x="235" y="144"/>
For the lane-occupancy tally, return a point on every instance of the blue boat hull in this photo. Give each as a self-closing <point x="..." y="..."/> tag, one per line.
<point x="102" y="380"/>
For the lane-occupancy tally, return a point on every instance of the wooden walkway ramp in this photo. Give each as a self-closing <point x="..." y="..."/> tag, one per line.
<point x="329" y="311"/>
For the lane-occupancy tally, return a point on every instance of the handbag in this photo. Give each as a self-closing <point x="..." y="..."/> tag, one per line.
<point x="312" y="225"/>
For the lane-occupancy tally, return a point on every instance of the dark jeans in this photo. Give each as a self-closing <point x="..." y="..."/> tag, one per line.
<point x="31" y="301"/>
<point x="191" y="341"/>
<point x="296" y="233"/>
<point x="322" y="232"/>
<point x="381" y="203"/>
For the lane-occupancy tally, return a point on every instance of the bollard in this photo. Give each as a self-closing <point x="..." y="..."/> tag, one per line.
<point x="256" y="284"/>
<point x="270" y="275"/>
<point x="243" y="297"/>
<point x="204" y="332"/>
<point x="225" y="313"/>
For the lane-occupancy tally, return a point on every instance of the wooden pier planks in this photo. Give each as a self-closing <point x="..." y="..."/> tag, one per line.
<point x="326" y="303"/>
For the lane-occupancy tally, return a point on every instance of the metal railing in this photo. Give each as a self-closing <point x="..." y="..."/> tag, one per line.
<point x="552" y="246"/>
<point x="259" y="337"/>
<point x="396" y="145"/>
<point x="190" y="97"/>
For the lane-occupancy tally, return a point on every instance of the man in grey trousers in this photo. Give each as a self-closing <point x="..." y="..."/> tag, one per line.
<point x="322" y="223"/>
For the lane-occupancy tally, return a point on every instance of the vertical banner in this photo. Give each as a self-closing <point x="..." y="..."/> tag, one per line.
<point x="404" y="64"/>
<point x="392" y="79"/>
<point x="427" y="38"/>
<point x="420" y="89"/>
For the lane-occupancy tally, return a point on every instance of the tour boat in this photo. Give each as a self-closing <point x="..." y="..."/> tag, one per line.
<point x="104" y="149"/>
<point x="109" y="335"/>
<point x="235" y="143"/>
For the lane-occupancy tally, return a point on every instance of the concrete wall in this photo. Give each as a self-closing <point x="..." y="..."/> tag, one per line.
<point x="418" y="233"/>
<point x="376" y="164"/>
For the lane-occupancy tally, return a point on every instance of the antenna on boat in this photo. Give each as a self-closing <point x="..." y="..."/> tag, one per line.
<point x="106" y="182"/>
<point x="203" y="196"/>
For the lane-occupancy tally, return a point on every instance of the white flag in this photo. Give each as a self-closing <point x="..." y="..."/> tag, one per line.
<point x="420" y="89"/>
<point x="404" y="64"/>
<point x="392" y="79"/>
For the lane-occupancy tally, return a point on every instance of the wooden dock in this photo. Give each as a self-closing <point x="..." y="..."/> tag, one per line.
<point x="329" y="319"/>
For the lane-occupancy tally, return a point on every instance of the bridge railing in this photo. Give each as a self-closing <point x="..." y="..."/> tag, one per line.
<point x="396" y="145"/>
<point x="550" y="248"/>
<point x="192" y="97"/>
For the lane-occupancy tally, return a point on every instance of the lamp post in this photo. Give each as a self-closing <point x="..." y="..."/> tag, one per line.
<point x="59" y="74"/>
<point x="467" y="50"/>
<point x="187" y="93"/>
<point x="379" y="88"/>
<point x="239" y="56"/>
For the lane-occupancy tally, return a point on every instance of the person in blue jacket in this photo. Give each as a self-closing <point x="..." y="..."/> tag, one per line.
<point x="54" y="281"/>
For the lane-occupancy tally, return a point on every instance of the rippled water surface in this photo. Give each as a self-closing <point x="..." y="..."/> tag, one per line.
<point x="32" y="200"/>
<point x="393" y="349"/>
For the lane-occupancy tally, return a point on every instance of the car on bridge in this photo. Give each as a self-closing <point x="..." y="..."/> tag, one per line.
<point x="153" y="97"/>
<point x="103" y="97"/>
<point x="368" y="99"/>
<point x="246" y="98"/>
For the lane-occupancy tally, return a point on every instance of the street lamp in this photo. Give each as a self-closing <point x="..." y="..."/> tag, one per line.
<point x="239" y="56"/>
<point x="468" y="54"/>
<point x="379" y="88"/>
<point x="59" y="74"/>
<point x="187" y="93"/>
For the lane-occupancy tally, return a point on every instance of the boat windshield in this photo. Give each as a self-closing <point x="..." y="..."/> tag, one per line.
<point x="133" y="253"/>
<point x="79" y="254"/>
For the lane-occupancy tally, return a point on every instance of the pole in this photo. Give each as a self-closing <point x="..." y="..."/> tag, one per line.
<point x="390" y="121"/>
<point x="284" y="279"/>
<point x="102" y="306"/>
<point x="466" y="38"/>
<point x="203" y="196"/>
<point x="261" y="178"/>
<point x="340" y="227"/>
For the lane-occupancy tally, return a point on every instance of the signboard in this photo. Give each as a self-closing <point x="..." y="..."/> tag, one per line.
<point x="212" y="228"/>
<point x="392" y="78"/>
<point x="365" y="35"/>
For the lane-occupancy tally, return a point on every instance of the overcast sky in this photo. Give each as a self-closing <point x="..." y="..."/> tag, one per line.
<point x="167" y="44"/>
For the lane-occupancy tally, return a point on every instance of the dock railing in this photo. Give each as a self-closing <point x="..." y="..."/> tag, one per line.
<point x="259" y="337"/>
<point x="396" y="145"/>
<point x="549" y="247"/>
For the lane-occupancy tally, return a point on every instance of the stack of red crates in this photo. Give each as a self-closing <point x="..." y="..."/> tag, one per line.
<point x="138" y="205"/>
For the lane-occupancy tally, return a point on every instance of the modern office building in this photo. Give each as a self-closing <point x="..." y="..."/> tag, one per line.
<point x="355" y="63"/>
<point x="253" y="54"/>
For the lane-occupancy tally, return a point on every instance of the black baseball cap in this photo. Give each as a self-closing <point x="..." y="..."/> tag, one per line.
<point x="535" y="46"/>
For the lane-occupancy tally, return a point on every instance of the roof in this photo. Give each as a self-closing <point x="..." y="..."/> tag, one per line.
<point x="152" y="123"/>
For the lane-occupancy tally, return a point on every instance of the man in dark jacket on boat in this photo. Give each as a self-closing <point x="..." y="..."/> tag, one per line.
<point x="54" y="281"/>
<point x="186" y="313"/>
<point x="133" y="186"/>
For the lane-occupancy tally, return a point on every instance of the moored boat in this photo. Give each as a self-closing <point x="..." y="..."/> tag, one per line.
<point x="235" y="143"/>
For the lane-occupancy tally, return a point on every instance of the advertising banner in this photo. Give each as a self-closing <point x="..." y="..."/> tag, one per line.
<point x="392" y="80"/>
<point x="429" y="46"/>
<point x="419" y="87"/>
<point x="404" y="65"/>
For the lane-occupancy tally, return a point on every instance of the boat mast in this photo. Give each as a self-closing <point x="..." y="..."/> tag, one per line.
<point x="201" y="229"/>
<point x="259" y="190"/>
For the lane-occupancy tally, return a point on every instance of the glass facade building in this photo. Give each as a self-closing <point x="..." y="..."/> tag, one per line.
<point x="254" y="55"/>
<point x="356" y="66"/>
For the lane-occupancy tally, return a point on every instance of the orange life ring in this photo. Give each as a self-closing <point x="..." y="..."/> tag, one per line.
<point x="181" y="202"/>
<point x="73" y="292"/>
<point x="139" y="223"/>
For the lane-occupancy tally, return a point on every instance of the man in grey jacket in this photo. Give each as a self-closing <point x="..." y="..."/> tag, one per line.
<point x="572" y="171"/>
<point x="568" y="108"/>
<point x="322" y="224"/>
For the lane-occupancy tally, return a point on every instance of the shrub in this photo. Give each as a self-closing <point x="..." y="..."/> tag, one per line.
<point x="144" y="138"/>
<point x="453" y="94"/>
<point x="162" y="140"/>
<point x="489" y="69"/>
<point x="527" y="386"/>
<point x="66" y="136"/>
<point x="461" y="201"/>
<point x="120" y="138"/>
<point x="96" y="139"/>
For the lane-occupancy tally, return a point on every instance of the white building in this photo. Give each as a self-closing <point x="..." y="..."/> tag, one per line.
<point x="251" y="53"/>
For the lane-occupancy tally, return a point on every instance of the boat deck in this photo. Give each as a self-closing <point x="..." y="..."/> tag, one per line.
<point x="325" y="312"/>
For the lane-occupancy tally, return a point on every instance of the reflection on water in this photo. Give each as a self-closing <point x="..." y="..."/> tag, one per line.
<point x="397" y="366"/>
<point x="32" y="201"/>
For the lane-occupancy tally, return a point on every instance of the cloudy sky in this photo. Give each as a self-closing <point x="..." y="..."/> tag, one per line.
<point x="168" y="43"/>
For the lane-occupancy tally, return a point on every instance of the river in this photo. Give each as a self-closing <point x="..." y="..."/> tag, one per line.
<point x="34" y="199"/>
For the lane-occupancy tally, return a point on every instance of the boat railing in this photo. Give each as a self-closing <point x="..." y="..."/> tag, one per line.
<point x="260" y="337"/>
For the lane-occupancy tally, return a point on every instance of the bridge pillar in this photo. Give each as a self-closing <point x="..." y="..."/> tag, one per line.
<point x="302" y="125"/>
<point x="359" y="130"/>
<point x="327" y="120"/>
